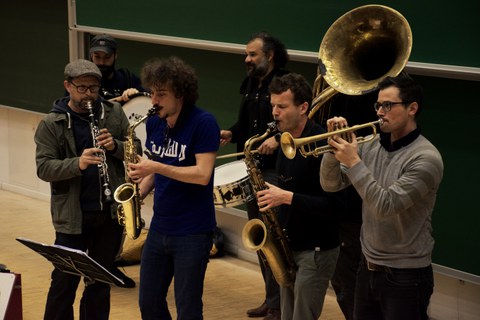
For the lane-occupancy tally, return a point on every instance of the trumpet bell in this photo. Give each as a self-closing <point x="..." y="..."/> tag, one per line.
<point x="288" y="145"/>
<point x="364" y="46"/>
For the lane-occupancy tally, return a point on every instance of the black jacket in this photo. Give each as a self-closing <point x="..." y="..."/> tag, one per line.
<point x="311" y="220"/>
<point x="254" y="114"/>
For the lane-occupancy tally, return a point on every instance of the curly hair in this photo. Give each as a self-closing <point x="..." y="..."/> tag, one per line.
<point x="270" y="43"/>
<point x="175" y="73"/>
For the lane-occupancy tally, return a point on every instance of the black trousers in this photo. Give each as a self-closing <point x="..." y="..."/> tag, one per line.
<point x="396" y="294"/>
<point x="344" y="278"/>
<point x="99" y="239"/>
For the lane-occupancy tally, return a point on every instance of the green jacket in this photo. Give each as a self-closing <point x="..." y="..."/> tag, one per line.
<point x="57" y="161"/>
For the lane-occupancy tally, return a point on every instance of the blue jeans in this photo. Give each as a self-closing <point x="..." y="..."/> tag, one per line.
<point x="396" y="295"/>
<point x="165" y="257"/>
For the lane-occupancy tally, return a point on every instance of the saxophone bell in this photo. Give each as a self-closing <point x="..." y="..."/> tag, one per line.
<point x="128" y="194"/>
<point x="128" y="210"/>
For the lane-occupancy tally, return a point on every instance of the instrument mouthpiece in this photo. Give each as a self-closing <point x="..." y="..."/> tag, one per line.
<point x="272" y="126"/>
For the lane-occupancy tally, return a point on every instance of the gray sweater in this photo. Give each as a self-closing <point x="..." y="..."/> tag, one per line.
<point x="398" y="189"/>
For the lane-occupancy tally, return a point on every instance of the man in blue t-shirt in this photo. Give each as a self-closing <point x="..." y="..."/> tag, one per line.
<point x="182" y="142"/>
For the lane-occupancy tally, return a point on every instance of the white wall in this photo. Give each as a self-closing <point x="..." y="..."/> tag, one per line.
<point x="452" y="299"/>
<point x="17" y="163"/>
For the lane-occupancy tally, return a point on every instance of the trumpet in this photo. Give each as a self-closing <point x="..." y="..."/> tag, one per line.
<point x="290" y="145"/>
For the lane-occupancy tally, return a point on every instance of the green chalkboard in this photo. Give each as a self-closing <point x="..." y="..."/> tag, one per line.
<point x="33" y="54"/>
<point x="455" y="218"/>
<point x="443" y="32"/>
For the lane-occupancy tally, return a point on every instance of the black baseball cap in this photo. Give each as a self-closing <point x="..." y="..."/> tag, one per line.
<point x="103" y="42"/>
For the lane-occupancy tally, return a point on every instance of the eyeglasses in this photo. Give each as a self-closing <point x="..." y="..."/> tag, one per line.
<point x="83" y="89"/>
<point x="387" y="105"/>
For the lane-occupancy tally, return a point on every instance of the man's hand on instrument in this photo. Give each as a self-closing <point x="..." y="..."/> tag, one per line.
<point x="105" y="139"/>
<point x="225" y="137"/>
<point x="137" y="171"/>
<point x="336" y="123"/>
<point x="127" y="93"/>
<point x="89" y="156"/>
<point x="268" y="146"/>
<point x="345" y="152"/>
<point x="273" y="197"/>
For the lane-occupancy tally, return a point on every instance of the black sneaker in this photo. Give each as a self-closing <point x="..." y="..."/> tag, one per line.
<point x="127" y="282"/>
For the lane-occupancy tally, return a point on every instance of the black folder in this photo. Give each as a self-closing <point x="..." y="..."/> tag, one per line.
<point x="72" y="261"/>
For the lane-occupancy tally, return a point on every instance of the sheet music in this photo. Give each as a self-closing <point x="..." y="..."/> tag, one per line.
<point x="72" y="261"/>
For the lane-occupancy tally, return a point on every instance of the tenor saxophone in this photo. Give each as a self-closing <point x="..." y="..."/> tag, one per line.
<point x="267" y="235"/>
<point x="128" y="194"/>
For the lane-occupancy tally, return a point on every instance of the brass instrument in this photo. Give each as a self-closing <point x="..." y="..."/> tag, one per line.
<point x="128" y="194"/>
<point x="290" y="145"/>
<point x="267" y="235"/>
<point x="132" y="96"/>
<point x="236" y="154"/>
<point x="359" y="49"/>
<point x="102" y="166"/>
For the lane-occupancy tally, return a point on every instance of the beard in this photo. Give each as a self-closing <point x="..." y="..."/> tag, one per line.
<point x="84" y="103"/>
<point x="257" y="70"/>
<point x="107" y="71"/>
<point x="81" y="106"/>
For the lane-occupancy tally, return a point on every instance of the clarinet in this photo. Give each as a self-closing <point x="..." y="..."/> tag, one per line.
<point x="102" y="166"/>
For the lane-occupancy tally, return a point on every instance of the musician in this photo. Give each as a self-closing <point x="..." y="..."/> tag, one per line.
<point x="310" y="215"/>
<point x="265" y="58"/>
<point x="82" y="215"/>
<point x="357" y="109"/>
<point x="116" y="83"/>
<point x="397" y="175"/>
<point x="182" y="142"/>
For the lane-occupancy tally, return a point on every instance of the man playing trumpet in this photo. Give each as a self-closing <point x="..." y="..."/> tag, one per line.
<point x="397" y="176"/>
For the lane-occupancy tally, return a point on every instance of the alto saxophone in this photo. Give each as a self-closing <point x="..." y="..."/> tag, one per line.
<point x="128" y="194"/>
<point x="266" y="235"/>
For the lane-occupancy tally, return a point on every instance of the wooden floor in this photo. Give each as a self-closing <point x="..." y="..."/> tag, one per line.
<point x="231" y="287"/>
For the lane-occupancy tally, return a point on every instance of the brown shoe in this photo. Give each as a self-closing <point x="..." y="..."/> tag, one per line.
<point x="261" y="311"/>
<point x="273" y="314"/>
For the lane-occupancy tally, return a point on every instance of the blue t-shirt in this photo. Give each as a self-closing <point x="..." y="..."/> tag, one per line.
<point x="182" y="208"/>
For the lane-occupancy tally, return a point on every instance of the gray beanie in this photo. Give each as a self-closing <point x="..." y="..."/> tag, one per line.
<point x="79" y="68"/>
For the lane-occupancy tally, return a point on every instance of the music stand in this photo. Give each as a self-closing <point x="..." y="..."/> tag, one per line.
<point x="72" y="261"/>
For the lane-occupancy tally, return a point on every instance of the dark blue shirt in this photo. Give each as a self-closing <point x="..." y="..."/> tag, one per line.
<point x="182" y="208"/>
